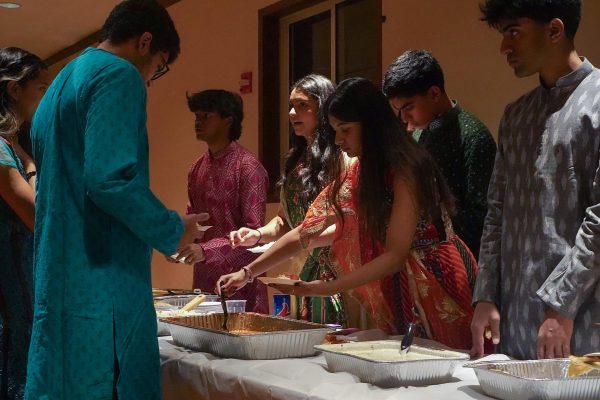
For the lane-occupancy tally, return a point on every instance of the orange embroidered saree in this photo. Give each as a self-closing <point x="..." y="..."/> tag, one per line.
<point x="436" y="280"/>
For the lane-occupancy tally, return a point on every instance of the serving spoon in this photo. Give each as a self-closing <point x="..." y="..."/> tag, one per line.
<point x="407" y="339"/>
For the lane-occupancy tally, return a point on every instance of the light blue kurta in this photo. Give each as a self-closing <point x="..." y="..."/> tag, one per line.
<point x="94" y="329"/>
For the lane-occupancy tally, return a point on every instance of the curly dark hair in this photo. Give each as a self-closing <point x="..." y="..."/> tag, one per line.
<point x="413" y="73"/>
<point x="568" y="11"/>
<point x="131" y="18"/>
<point x="323" y="153"/>
<point x="385" y="148"/>
<point x="223" y="102"/>
<point x="16" y="65"/>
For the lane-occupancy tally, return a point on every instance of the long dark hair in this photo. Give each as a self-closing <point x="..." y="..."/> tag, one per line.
<point x="323" y="154"/>
<point x="386" y="148"/>
<point x="16" y="65"/>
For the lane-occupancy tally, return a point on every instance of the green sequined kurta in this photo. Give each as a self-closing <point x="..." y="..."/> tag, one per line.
<point x="464" y="150"/>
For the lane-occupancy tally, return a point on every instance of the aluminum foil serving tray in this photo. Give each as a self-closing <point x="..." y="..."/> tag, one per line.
<point x="176" y="301"/>
<point x="380" y="363"/>
<point x="251" y="336"/>
<point x="182" y="300"/>
<point x="537" y="379"/>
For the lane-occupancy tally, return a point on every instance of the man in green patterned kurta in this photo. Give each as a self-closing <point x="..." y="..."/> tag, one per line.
<point x="94" y="329"/>
<point x="460" y="144"/>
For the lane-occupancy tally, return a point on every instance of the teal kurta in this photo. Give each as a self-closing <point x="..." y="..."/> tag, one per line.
<point x="94" y="329"/>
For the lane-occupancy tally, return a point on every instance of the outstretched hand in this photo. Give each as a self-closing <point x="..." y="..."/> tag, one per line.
<point x="245" y="237"/>
<point x="230" y="283"/>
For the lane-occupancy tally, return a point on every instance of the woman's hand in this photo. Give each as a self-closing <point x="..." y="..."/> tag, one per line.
<point x="229" y="283"/>
<point x="245" y="237"/>
<point x="313" y="288"/>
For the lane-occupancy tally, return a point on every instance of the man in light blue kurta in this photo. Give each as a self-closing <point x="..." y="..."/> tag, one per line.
<point x="94" y="331"/>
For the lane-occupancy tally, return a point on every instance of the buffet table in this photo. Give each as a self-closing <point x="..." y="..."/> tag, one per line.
<point x="192" y="375"/>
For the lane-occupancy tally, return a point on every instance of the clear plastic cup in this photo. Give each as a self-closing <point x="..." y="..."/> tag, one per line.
<point x="236" y="306"/>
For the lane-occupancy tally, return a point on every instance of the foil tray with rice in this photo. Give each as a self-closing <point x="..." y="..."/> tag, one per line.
<point x="383" y="363"/>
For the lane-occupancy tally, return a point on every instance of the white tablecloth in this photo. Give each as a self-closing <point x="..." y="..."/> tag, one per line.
<point x="190" y="375"/>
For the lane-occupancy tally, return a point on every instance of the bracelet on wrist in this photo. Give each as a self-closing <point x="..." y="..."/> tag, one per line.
<point x="248" y="273"/>
<point x="259" y="236"/>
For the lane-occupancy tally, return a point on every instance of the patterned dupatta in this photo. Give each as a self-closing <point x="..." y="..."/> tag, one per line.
<point x="433" y="288"/>
<point x="441" y="276"/>
<point x="347" y="248"/>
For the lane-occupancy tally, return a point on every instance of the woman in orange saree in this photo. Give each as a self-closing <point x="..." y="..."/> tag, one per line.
<point x="385" y="218"/>
<point x="434" y="287"/>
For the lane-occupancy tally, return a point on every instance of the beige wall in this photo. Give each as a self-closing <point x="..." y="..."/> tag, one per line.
<point x="220" y="41"/>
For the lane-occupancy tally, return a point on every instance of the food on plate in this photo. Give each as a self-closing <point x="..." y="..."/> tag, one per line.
<point x="288" y="276"/>
<point x="582" y="365"/>
<point x="282" y="279"/>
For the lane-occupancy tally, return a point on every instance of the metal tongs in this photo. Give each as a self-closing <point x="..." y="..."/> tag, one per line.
<point x="225" y="314"/>
<point x="408" y="338"/>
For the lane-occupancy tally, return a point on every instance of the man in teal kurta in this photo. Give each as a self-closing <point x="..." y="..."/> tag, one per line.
<point x="94" y="330"/>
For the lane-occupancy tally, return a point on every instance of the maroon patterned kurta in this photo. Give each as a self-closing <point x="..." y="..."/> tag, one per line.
<point x="232" y="187"/>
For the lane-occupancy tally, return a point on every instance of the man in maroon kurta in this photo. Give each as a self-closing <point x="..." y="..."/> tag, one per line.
<point x="229" y="183"/>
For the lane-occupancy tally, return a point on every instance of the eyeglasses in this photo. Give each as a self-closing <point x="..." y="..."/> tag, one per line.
<point x="161" y="70"/>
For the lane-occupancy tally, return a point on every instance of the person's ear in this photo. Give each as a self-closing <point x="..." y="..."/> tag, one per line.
<point x="556" y="30"/>
<point x="144" y="42"/>
<point x="435" y="93"/>
<point x="14" y="90"/>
